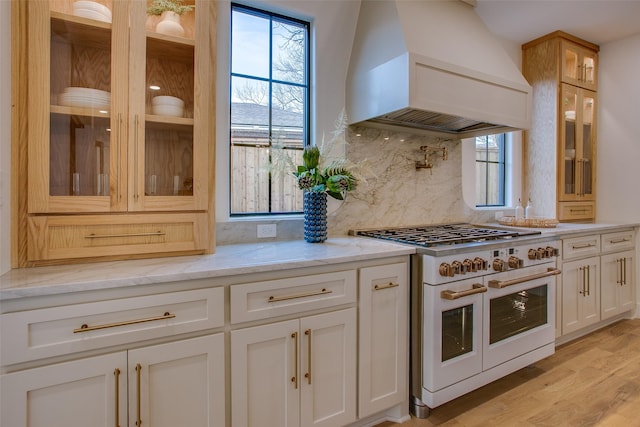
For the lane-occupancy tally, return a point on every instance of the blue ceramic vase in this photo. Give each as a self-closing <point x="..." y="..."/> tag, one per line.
<point x="315" y="216"/>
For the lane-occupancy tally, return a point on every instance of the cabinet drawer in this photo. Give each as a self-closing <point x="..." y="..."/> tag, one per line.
<point x="60" y="237"/>
<point x="581" y="247"/>
<point x="618" y="241"/>
<point x="37" y="334"/>
<point x="576" y="211"/>
<point x="261" y="300"/>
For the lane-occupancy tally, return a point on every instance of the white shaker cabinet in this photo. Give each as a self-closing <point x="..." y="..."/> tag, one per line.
<point x="383" y="340"/>
<point x="299" y="372"/>
<point x="580" y="294"/>
<point x="178" y="383"/>
<point x="617" y="283"/>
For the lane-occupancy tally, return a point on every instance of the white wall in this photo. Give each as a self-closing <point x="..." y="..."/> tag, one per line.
<point x="618" y="168"/>
<point x="5" y="136"/>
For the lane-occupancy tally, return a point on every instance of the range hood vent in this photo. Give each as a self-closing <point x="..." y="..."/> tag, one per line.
<point x="433" y="67"/>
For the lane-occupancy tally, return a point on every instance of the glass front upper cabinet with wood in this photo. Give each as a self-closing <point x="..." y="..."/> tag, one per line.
<point x="579" y="65"/>
<point x="117" y="109"/>
<point x="577" y="148"/>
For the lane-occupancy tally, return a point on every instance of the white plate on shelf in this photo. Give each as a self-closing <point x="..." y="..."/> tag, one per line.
<point x="90" y="14"/>
<point x="92" y="6"/>
<point x="167" y="100"/>
<point x="167" y="110"/>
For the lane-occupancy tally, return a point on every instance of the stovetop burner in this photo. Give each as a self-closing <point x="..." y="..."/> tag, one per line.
<point x="445" y="234"/>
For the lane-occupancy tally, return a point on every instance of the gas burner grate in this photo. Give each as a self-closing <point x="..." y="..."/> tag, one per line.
<point x="436" y="235"/>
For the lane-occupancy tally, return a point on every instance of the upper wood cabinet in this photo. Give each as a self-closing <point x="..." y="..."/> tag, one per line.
<point x="562" y="70"/>
<point x="579" y="64"/>
<point x="98" y="138"/>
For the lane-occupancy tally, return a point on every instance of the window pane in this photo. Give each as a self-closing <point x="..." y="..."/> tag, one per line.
<point x="481" y="187"/>
<point x="269" y="111"/>
<point x="289" y="52"/>
<point x="490" y="170"/>
<point x="481" y="148"/>
<point x="249" y="45"/>
<point x="494" y="178"/>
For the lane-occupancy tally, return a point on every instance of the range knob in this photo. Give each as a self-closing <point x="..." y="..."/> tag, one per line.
<point x="533" y="254"/>
<point x="456" y="266"/>
<point x="480" y="264"/>
<point x="541" y="253"/>
<point x="499" y="265"/>
<point x="515" y="262"/>
<point x="445" y="270"/>
<point x="550" y="252"/>
<point x="468" y="266"/>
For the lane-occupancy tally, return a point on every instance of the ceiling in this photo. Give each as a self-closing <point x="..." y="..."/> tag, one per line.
<point x="597" y="21"/>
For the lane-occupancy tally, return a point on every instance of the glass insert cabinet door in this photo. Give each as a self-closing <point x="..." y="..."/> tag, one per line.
<point x="579" y="65"/>
<point x="577" y="153"/>
<point x="113" y="109"/>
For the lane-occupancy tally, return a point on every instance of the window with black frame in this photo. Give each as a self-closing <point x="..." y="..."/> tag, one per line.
<point x="269" y="106"/>
<point x="490" y="170"/>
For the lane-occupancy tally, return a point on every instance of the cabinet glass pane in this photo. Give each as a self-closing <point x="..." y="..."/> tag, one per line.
<point x="169" y="116"/>
<point x="588" y="65"/>
<point x="569" y="103"/>
<point x="570" y="63"/>
<point x="457" y="332"/>
<point x="80" y="83"/>
<point x="588" y="105"/>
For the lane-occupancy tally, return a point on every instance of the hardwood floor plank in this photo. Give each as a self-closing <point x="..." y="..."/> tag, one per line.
<point x="591" y="381"/>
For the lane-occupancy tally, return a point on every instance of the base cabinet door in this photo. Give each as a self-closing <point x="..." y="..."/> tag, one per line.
<point x="178" y="384"/>
<point x="580" y="294"/>
<point x="617" y="283"/>
<point x="383" y="326"/>
<point x="299" y="372"/>
<point x="86" y="392"/>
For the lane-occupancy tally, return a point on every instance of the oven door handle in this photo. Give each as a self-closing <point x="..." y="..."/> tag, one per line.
<point x="451" y="295"/>
<point x="499" y="284"/>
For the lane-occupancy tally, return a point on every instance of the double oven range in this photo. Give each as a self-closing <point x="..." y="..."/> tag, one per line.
<point x="482" y="305"/>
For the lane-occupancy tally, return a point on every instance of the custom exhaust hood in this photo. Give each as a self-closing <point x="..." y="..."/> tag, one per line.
<point x="433" y="66"/>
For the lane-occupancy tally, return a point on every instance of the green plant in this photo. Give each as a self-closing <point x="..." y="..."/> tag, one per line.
<point x="159" y="6"/>
<point x="334" y="179"/>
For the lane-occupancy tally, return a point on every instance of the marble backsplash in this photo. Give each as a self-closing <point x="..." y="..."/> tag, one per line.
<point x="397" y="195"/>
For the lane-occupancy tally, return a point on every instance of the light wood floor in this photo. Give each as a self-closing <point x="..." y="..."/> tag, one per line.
<point x="592" y="381"/>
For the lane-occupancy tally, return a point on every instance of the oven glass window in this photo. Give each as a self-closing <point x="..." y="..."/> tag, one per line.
<point x="518" y="312"/>
<point x="457" y="332"/>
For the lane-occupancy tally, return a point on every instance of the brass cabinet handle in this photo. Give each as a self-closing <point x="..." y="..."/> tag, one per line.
<point x="87" y="328"/>
<point x="308" y="374"/>
<point x="119" y="129"/>
<point x="294" y="379"/>
<point x="387" y="286"/>
<point x="583" y="210"/>
<point x="624" y="239"/>
<point x="619" y="272"/>
<point x="102" y="236"/>
<point x="116" y="374"/>
<point x="624" y="271"/>
<point x="301" y="295"/>
<point x="135" y="158"/>
<point x="451" y="295"/>
<point x="588" y="245"/>
<point x="499" y="284"/>
<point x="138" y="373"/>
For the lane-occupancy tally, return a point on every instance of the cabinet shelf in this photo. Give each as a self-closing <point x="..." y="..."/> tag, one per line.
<point x="79" y="30"/>
<point x="167" y="122"/>
<point x="78" y="111"/>
<point x="173" y="48"/>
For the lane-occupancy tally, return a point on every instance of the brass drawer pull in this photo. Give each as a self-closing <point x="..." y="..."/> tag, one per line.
<point x="579" y="210"/>
<point x="387" y="286"/>
<point x="624" y="239"/>
<point x="302" y="295"/>
<point x="499" y="284"/>
<point x="451" y="295"/>
<point x="87" y="328"/>
<point x="102" y="236"/>
<point x="588" y="245"/>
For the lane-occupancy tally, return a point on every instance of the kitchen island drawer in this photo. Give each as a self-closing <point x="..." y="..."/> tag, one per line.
<point x="90" y="236"/>
<point x="618" y="241"/>
<point x="581" y="247"/>
<point x="272" y="298"/>
<point x="48" y="332"/>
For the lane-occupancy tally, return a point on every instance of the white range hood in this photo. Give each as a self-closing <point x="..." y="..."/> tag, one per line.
<point x="433" y="66"/>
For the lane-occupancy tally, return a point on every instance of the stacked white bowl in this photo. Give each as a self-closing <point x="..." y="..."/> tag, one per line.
<point x="85" y="97"/>
<point x="92" y="10"/>
<point x="167" y="106"/>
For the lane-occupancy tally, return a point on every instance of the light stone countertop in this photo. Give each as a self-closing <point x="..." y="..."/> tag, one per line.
<point x="564" y="229"/>
<point x="227" y="261"/>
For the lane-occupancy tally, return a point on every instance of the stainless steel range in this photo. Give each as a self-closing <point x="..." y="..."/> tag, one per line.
<point x="482" y="305"/>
